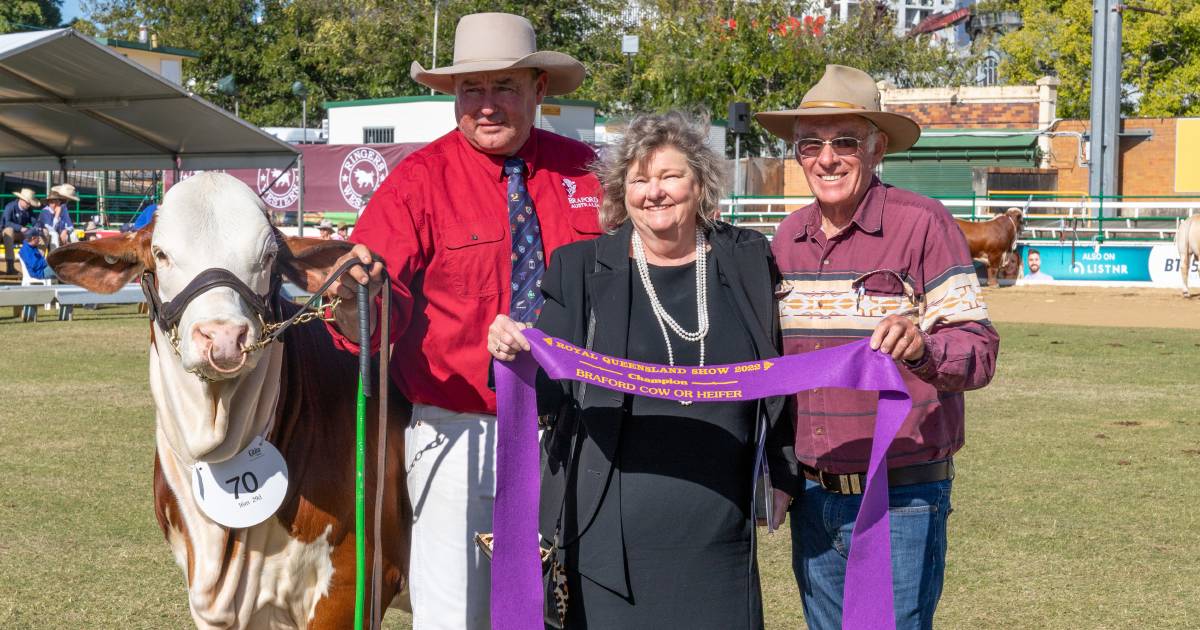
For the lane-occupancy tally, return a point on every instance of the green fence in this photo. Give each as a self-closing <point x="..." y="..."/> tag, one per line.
<point x="114" y="210"/>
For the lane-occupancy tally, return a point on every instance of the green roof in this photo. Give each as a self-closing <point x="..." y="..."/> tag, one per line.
<point x="166" y="50"/>
<point x="962" y="141"/>
<point x="434" y="98"/>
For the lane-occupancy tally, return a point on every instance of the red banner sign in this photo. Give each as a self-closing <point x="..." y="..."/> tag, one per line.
<point x="337" y="177"/>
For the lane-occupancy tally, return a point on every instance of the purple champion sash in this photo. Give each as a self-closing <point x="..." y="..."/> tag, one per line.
<point x="517" y="595"/>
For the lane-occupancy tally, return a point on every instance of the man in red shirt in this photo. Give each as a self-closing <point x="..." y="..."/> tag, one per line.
<point x="466" y="226"/>
<point x="870" y="260"/>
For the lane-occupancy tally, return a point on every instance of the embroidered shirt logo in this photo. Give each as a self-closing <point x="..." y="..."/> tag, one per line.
<point x="587" y="201"/>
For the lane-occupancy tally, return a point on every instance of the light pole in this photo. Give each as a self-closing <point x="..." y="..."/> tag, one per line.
<point x="437" y="8"/>
<point x="301" y="92"/>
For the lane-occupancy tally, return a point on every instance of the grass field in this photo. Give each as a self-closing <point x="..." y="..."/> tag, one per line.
<point x="1074" y="507"/>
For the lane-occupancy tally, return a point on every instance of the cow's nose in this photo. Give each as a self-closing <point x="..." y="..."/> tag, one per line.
<point x="220" y="341"/>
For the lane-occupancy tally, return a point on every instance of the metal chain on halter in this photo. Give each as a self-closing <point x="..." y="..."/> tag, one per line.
<point x="272" y="331"/>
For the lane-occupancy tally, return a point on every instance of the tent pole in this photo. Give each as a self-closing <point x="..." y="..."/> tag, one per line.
<point x="300" y="201"/>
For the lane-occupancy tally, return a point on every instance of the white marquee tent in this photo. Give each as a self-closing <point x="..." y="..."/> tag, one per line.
<point x="70" y="103"/>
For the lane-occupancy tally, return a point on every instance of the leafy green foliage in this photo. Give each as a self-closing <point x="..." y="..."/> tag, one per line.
<point x="698" y="56"/>
<point x="695" y="56"/>
<point x="18" y="15"/>
<point x="1161" y="55"/>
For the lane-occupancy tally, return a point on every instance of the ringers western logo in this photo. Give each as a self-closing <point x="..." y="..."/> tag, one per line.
<point x="363" y="170"/>
<point x="278" y="188"/>
<point x="587" y="201"/>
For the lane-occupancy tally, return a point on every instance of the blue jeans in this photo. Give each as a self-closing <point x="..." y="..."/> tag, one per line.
<point x="821" y="526"/>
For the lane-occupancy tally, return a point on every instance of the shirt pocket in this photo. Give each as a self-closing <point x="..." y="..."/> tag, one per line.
<point x="585" y="223"/>
<point x="475" y="253"/>
<point x="885" y="292"/>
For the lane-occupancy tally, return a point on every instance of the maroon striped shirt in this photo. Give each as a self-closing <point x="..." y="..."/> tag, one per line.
<point x="922" y="268"/>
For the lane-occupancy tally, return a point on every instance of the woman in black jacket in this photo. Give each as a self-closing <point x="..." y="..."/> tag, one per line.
<point x="651" y="499"/>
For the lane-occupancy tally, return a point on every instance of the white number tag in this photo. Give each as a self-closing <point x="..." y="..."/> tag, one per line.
<point x="244" y="490"/>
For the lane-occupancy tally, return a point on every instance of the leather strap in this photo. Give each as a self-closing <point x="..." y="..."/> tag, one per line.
<point x="854" y="483"/>
<point x="381" y="452"/>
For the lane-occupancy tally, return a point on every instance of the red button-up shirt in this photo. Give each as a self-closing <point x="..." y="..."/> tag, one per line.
<point x="934" y="281"/>
<point x="440" y="222"/>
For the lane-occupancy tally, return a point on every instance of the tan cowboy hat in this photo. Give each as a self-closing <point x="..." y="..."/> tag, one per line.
<point x="325" y="224"/>
<point x="486" y="42"/>
<point x="63" y="192"/>
<point x="26" y="195"/>
<point x="844" y="91"/>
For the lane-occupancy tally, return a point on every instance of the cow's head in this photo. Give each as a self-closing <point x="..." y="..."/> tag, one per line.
<point x="210" y="221"/>
<point x="1018" y="219"/>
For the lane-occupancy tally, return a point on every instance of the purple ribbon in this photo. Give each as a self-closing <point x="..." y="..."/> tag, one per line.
<point x="517" y="596"/>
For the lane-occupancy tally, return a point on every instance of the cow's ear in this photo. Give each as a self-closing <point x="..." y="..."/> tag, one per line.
<point x="307" y="261"/>
<point x="107" y="264"/>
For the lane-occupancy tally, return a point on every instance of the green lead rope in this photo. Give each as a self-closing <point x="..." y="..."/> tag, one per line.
<point x="360" y="455"/>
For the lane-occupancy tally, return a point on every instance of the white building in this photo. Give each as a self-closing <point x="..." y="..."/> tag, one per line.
<point x="610" y="131"/>
<point x="163" y="60"/>
<point x="426" y="118"/>
<point x="908" y="13"/>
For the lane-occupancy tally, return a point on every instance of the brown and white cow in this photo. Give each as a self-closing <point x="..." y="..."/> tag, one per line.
<point x="994" y="241"/>
<point x="296" y="568"/>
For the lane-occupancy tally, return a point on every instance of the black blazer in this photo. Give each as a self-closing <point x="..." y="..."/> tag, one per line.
<point x="597" y="275"/>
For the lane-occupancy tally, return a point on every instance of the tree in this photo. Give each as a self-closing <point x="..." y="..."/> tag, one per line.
<point x="1161" y="55"/>
<point x="701" y="56"/>
<point x="17" y="15"/>
<point x="695" y="56"/>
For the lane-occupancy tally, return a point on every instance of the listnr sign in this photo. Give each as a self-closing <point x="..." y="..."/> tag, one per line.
<point x="1154" y="265"/>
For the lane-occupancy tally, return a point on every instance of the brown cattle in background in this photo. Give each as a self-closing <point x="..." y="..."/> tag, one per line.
<point x="994" y="240"/>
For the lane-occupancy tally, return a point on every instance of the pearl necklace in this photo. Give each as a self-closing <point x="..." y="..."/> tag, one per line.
<point x="660" y="313"/>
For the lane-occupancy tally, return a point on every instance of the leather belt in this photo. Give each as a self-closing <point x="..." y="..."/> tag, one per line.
<point x="855" y="483"/>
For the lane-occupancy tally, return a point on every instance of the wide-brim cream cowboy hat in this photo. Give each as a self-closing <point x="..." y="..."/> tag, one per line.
<point x="844" y="91"/>
<point x="62" y="192"/>
<point x="487" y="42"/>
<point x="26" y="195"/>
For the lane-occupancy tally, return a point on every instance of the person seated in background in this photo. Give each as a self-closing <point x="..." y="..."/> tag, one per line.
<point x="32" y="258"/>
<point x="18" y="215"/>
<point x="55" y="221"/>
<point x="325" y="227"/>
<point x="343" y="232"/>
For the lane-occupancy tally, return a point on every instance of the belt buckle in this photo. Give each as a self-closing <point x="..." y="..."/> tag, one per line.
<point x="848" y="484"/>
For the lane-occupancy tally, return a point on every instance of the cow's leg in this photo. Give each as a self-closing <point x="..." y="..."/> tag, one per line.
<point x="1185" y="265"/>
<point x="993" y="268"/>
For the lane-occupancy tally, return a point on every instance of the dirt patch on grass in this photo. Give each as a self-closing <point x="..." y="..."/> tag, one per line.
<point x="1093" y="306"/>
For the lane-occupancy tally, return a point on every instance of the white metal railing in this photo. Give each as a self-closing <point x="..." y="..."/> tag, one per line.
<point x="1044" y="219"/>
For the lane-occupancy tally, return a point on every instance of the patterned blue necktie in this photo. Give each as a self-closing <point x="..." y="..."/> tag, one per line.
<point x="528" y="260"/>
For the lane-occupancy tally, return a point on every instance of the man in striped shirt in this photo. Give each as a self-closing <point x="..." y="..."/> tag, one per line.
<point x="870" y="260"/>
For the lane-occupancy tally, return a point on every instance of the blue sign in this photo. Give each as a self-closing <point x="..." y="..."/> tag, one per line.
<point x="1110" y="264"/>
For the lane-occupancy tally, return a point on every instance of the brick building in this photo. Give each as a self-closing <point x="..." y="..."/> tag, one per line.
<point x="1159" y="156"/>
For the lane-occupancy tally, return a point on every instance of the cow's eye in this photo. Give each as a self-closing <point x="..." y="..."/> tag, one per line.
<point x="160" y="256"/>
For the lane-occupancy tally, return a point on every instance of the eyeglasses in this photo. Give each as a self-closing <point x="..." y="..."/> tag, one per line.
<point x="807" y="148"/>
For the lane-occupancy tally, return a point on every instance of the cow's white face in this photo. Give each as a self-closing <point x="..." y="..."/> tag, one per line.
<point x="213" y="404"/>
<point x="209" y="221"/>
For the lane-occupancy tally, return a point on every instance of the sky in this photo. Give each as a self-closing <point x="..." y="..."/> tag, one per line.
<point x="71" y="10"/>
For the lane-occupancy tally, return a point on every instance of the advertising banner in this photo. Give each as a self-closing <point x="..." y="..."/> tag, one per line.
<point x="1154" y="265"/>
<point x="337" y="177"/>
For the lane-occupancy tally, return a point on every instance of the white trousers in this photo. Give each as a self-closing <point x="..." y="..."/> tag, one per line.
<point x="451" y="463"/>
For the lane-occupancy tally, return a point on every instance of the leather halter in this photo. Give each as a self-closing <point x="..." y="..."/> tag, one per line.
<point x="168" y="314"/>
